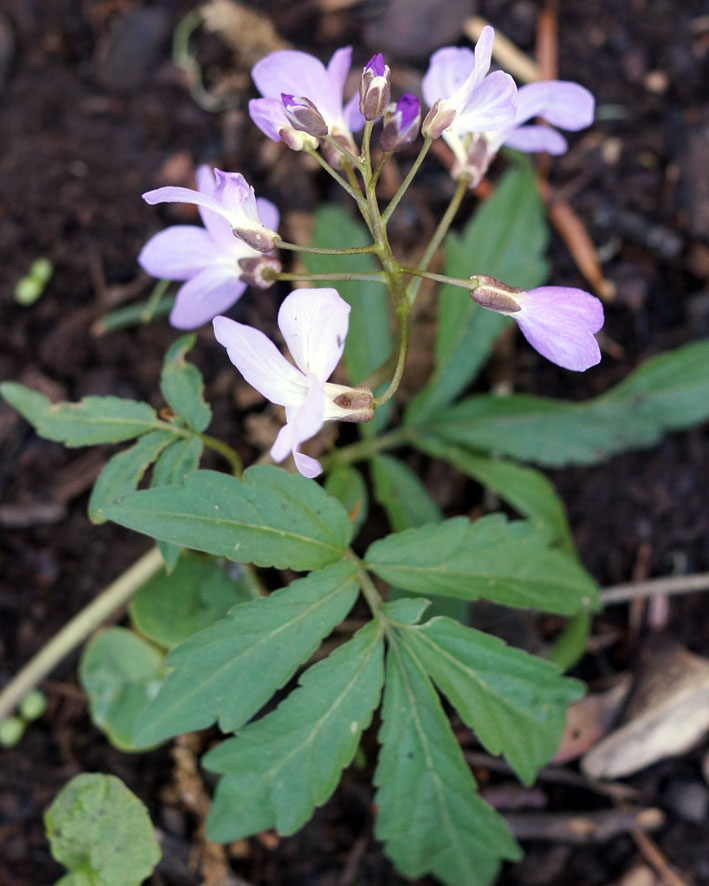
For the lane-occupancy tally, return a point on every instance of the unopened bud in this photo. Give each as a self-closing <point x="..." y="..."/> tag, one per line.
<point x="495" y="295"/>
<point x="374" y="88"/>
<point x="401" y="123"/>
<point x="437" y="119"/>
<point x="259" y="270"/>
<point x="344" y="403"/>
<point x="303" y="115"/>
<point x="260" y="239"/>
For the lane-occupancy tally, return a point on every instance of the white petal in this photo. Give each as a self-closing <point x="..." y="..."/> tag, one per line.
<point x="448" y="70"/>
<point x="178" y="253"/>
<point x="261" y="363"/>
<point x="491" y="106"/>
<point x="564" y="104"/>
<point x="314" y="324"/>
<point x="268" y="214"/>
<point x="303" y="423"/>
<point x="536" y="138"/>
<point x="209" y="293"/>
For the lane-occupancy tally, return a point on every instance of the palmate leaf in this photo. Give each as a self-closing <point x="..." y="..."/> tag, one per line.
<point x="175" y="463"/>
<point x="431" y="817"/>
<point x="183" y="387"/>
<point x="91" y="421"/>
<point x="667" y="393"/>
<point x="122" y="473"/>
<point x="515" y="703"/>
<point x="230" y="670"/>
<point x="278" y="769"/>
<point x="506" y="238"/>
<point x="169" y="608"/>
<point x="493" y="559"/>
<point x="402" y="495"/>
<point x="527" y="490"/>
<point x="101" y="832"/>
<point x="270" y="518"/>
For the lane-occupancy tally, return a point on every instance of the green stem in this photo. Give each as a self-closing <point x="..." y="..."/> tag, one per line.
<point x="439" y="234"/>
<point x="469" y="283"/>
<point x="369" y="590"/>
<point x="338" y="178"/>
<point x="229" y="454"/>
<point x="363" y="449"/>
<point x="366" y="150"/>
<point x="108" y="602"/>
<point x="382" y="163"/>
<point x="318" y="250"/>
<point x="403" y="187"/>
<point x="402" y="316"/>
<point x="348" y="155"/>
<point x="374" y="277"/>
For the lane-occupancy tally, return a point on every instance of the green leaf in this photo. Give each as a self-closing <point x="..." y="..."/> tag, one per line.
<point x="182" y="385"/>
<point x="122" y="473"/>
<point x="271" y="518"/>
<point x="346" y="484"/>
<point x="667" y="393"/>
<point x="402" y="495"/>
<point x="101" y="832"/>
<point x="230" y="670"/>
<point x="493" y="559"/>
<point x="93" y="420"/>
<point x="175" y="463"/>
<point x="516" y="703"/>
<point x="528" y="491"/>
<point x="431" y="817"/>
<point x="278" y="769"/>
<point x="121" y="674"/>
<point x="506" y="238"/>
<point x="170" y="608"/>
<point x="369" y="340"/>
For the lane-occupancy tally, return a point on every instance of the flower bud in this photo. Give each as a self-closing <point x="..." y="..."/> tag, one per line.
<point x="438" y="118"/>
<point x="259" y="238"/>
<point x="259" y="270"/>
<point x="401" y="123"/>
<point x="374" y="88"/>
<point x="303" y="115"/>
<point x="344" y="403"/>
<point x="496" y="296"/>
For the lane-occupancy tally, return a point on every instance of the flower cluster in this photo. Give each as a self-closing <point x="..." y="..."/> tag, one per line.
<point x="302" y="104"/>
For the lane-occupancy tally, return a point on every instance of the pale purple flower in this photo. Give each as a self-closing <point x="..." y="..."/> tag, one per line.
<point x="557" y="321"/>
<point x="374" y="88"/>
<point x="462" y="96"/>
<point x="291" y="73"/>
<point x="314" y="325"/>
<point x="206" y="258"/>
<point x="563" y="104"/>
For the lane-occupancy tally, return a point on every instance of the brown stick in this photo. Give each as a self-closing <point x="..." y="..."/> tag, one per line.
<point x="674" y="584"/>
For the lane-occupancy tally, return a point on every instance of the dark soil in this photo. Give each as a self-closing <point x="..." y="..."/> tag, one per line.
<point x="93" y="113"/>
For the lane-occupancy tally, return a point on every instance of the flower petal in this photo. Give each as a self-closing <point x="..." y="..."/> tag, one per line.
<point x="337" y="70"/>
<point x="172" y="194"/>
<point x="314" y="324"/>
<point x="261" y="363"/>
<point x="303" y="422"/>
<point x="178" y="252"/>
<point x="536" y="138"/>
<point x="559" y="102"/>
<point x="207" y="294"/>
<point x="268" y="215"/>
<point x="307" y="466"/>
<point x="352" y="115"/>
<point x="298" y="73"/>
<point x="491" y="106"/>
<point x="219" y="228"/>
<point x="559" y="322"/>
<point x="270" y="117"/>
<point x="447" y="71"/>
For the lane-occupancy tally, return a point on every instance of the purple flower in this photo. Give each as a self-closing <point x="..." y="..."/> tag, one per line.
<point x="401" y="123"/>
<point x="374" y="88"/>
<point x="206" y="258"/>
<point x="462" y="96"/>
<point x="314" y="324"/>
<point x="563" y="104"/>
<point x="292" y="73"/>
<point x="557" y="321"/>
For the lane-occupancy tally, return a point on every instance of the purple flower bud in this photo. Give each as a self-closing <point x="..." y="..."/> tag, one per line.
<point x="374" y="88"/>
<point x="401" y="123"/>
<point x="303" y="115"/>
<point x="438" y="119"/>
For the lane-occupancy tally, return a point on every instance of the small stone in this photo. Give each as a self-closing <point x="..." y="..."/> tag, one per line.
<point x="689" y="799"/>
